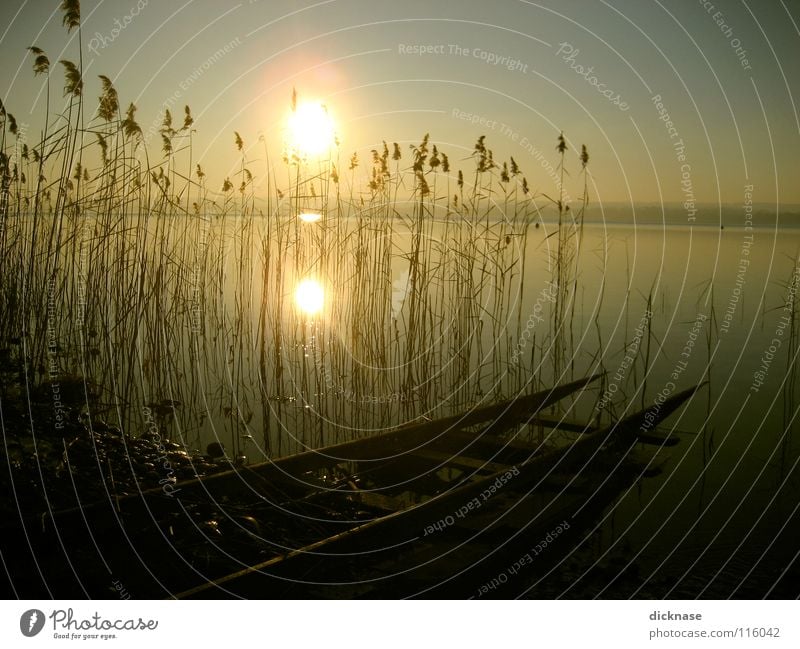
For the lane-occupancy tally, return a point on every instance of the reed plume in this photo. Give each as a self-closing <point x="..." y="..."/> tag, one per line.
<point x="72" y="14"/>
<point x="41" y="64"/>
<point x="73" y="83"/>
<point x="109" y="101"/>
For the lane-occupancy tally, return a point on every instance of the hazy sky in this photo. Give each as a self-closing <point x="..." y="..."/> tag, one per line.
<point x="726" y="72"/>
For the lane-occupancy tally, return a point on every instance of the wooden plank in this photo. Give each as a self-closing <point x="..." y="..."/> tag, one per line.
<point x="378" y="447"/>
<point x="404" y="524"/>
<point x="386" y="502"/>
<point x="656" y="437"/>
<point x="560" y="423"/>
<point x="446" y="459"/>
<point x="484" y="443"/>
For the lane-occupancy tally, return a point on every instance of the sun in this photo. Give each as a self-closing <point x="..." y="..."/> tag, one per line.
<point x="309" y="297"/>
<point x="311" y="129"/>
<point x="310" y="217"/>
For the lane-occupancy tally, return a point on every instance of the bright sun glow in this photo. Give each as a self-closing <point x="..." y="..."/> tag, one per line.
<point x="310" y="217"/>
<point x="311" y="129"/>
<point x="309" y="296"/>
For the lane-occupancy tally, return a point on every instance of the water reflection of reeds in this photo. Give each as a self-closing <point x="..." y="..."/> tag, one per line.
<point x="134" y="275"/>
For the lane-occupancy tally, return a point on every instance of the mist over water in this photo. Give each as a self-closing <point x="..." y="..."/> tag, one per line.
<point x="764" y="216"/>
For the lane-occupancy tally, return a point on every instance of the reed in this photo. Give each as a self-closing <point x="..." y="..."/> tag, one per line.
<point x="123" y="266"/>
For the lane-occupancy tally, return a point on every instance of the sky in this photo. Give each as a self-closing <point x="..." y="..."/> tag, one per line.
<point x="693" y="101"/>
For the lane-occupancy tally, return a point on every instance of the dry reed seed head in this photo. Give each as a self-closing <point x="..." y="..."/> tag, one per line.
<point x="562" y="143"/>
<point x="188" y="120"/>
<point x="239" y="141"/>
<point x="435" y="161"/>
<point x="460" y="178"/>
<point x="129" y="125"/>
<point x="227" y="185"/>
<point x="396" y="154"/>
<point x="103" y="148"/>
<point x="483" y="155"/>
<point x="584" y="155"/>
<point x="504" y="177"/>
<point x="166" y="125"/>
<point x="72" y="14"/>
<point x="200" y="173"/>
<point x="24" y="151"/>
<point x="166" y="147"/>
<point x="109" y="100"/>
<point x="41" y="64"/>
<point x="424" y="189"/>
<point x="12" y="124"/>
<point x="162" y="179"/>
<point x="515" y="170"/>
<point x="525" y="188"/>
<point x="73" y="84"/>
<point x="445" y="163"/>
<point x="294" y="99"/>
<point x="334" y="174"/>
<point x="420" y="154"/>
<point x="353" y="161"/>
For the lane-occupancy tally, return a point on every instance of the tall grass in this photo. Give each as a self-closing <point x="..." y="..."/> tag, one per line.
<point x="127" y="268"/>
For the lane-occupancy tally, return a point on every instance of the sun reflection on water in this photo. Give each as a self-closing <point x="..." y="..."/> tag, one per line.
<point x="309" y="297"/>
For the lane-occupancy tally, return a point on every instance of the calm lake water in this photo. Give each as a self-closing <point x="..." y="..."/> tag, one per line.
<point x="217" y="351"/>
<point x="723" y="514"/>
